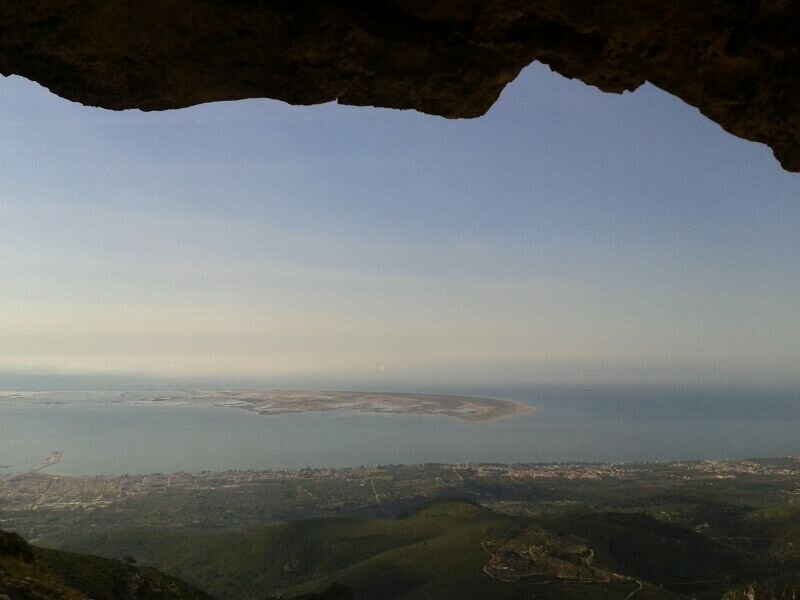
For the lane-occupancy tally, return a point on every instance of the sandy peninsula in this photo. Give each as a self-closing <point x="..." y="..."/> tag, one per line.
<point x="465" y="408"/>
<point x="281" y="402"/>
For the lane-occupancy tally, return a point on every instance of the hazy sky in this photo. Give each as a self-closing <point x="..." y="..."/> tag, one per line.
<point x="567" y="236"/>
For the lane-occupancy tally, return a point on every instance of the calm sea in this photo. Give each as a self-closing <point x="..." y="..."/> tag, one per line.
<point x="102" y="436"/>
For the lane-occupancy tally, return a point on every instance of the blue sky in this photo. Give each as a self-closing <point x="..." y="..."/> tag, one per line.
<point x="567" y="236"/>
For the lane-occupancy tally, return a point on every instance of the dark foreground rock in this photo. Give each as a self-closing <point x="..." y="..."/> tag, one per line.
<point x="738" y="62"/>
<point x="30" y="573"/>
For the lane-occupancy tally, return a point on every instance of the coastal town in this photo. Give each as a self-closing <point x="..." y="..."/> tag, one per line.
<point x="41" y="502"/>
<point x="555" y="516"/>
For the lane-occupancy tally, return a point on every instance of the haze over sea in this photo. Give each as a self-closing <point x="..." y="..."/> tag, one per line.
<point x="102" y="436"/>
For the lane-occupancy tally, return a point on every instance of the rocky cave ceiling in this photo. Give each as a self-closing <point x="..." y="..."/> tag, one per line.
<point x="738" y="61"/>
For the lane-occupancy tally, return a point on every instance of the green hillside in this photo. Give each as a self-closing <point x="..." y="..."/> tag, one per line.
<point x="449" y="549"/>
<point x="27" y="573"/>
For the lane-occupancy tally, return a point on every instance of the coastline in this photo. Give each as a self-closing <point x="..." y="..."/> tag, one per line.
<point x="463" y="408"/>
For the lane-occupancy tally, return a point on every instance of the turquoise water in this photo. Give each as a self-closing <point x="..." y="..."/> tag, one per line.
<point x="102" y="436"/>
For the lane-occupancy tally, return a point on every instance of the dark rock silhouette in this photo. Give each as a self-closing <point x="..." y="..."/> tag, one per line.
<point x="738" y="62"/>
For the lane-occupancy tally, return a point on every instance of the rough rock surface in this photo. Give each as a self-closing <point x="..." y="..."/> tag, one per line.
<point x="737" y="61"/>
<point x="31" y="573"/>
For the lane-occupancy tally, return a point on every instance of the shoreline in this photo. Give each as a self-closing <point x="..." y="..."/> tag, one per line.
<point x="285" y="402"/>
<point x="780" y="465"/>
<point x="463" y="408"/>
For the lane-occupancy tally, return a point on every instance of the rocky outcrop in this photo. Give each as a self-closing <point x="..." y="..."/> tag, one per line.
<point x="31" y="573"/>
<point x="738" y="62"/>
